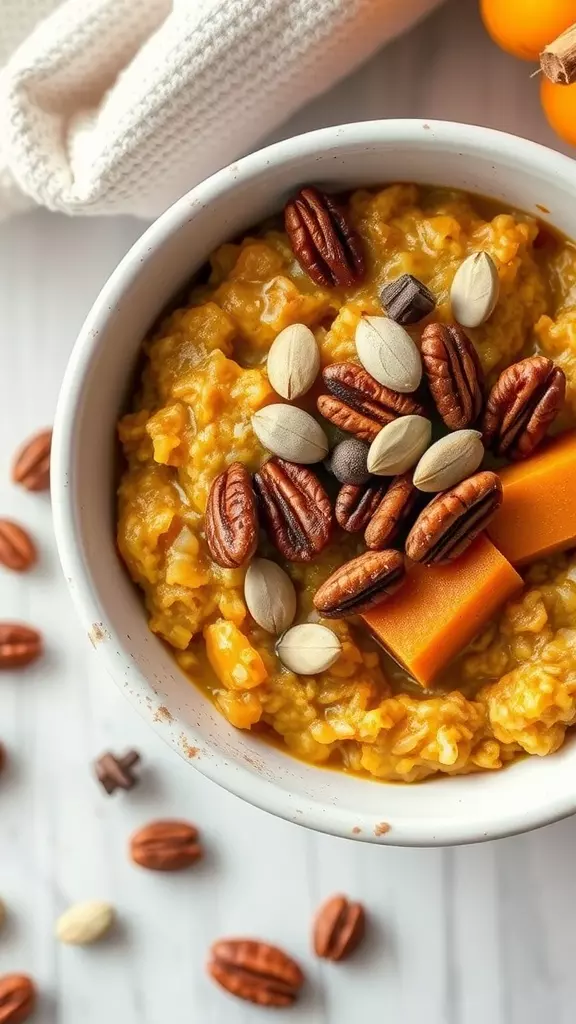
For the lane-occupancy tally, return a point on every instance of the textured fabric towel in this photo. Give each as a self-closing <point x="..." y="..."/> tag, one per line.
<point x="120" y="106"/>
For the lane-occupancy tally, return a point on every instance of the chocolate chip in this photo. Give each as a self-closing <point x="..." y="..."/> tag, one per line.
<point x="116" y="772"/>
<point x="406" y="300"/>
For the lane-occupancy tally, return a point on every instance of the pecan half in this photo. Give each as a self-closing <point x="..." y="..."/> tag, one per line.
<point x="166" y="846"/>
<point x="360" y="584"/>
<point x="326" y="246"/>
<point x="524" y="401"/>
<point x="17" y="998"/>
<point x="454" y="372"/>
<point x="19" y="645"/>
<point x="17" y="549"/>
<point x="394" y="509"/>
<point x="338" y="928"/>
<point x="450" y="523"/>
<point x="359" y="404"/>
<point x="357" y="503"/>
<point x="231" y="523"/>
<point x="31" y="465"/>
<point x="255" y="971"/>
<point x="295" y="507"/>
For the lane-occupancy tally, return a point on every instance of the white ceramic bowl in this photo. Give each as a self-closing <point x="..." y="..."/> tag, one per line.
<point x="464" y="809"/>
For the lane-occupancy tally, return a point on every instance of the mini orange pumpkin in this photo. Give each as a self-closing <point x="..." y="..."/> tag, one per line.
<point x="524" y="27"/>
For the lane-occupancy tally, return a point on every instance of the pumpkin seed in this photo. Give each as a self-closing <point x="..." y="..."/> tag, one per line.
<point x="399" y="445"/>
<point x="270" y="596"/>
<point x="84" y="923"/>
<point x="475" y="290"/>
<point x="388" y="353"/>
<point x="293" y="361"/>
<point x="450" y="460"/>
<point x="290" y="433"/>
<point x="308" y="649"/>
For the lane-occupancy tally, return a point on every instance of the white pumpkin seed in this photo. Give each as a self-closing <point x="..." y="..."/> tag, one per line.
<point x="399" y="445"/>
<point x="449" y="461"/>
<point x="84" y="923"/>
<point x="308" y="649"/>
<point x="293" y="361"/>
<point x="388" y="353"/>
<point x="475" y="290"/>
<point x="290" y="433"/>
<point x="270" y="596"/>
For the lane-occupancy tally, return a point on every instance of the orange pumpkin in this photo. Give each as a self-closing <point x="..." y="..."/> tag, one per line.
<point x="524" y="27"/>
<point x="559" y="103"/>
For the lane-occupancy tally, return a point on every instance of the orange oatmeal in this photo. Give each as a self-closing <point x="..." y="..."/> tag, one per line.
<point x="512" y="690"/>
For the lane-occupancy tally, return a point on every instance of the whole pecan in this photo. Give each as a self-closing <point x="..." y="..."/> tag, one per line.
<point x="17" y="998"/>
<point x="295" y="507"/>
<point x="394" y="509"/>
<point x="31" y="465"/>
<point x="357" y="503"/>
<point x="454" y="373"/>
<point x="326" y="246"/>
<point x="19" y="645"/>
<point x="17" y="549"/>
<point x="231" y="523"/>
<point x="255" y="971"/>
<point x="452" y="520"/>
<point x="524" y="401"/>
<point x="360" y="584"/>
<point x="338" y="928"/>
<point x="166" y="846"/>
<point x="359" y="404"/>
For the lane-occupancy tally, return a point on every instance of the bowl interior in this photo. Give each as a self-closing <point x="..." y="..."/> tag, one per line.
<point x="463" y="809"/>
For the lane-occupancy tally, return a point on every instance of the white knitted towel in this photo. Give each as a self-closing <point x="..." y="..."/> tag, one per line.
<point x="120" y="106"/>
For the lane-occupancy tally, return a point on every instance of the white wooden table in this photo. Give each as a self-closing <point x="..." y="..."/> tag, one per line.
<point x="479" y="935"/>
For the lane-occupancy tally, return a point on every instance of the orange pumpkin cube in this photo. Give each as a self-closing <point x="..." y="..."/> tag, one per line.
<point x="440" y="609"/>
<point x="538" y="514"/>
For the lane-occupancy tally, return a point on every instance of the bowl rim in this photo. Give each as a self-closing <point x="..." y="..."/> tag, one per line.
<point x="243" y="781"/>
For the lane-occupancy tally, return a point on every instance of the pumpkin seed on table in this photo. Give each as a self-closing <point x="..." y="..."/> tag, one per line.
<point x="308" y="649"/>
<point x="84" y="923"/>
<point x="399" y="445"/>
<point x="388" y="353"/>
<point x="293" y="361"/>
<point x="449" y="461"/>
<point x="290" y="433"/>
<point x="475" y="290"/>
<point x="270" y="596"/>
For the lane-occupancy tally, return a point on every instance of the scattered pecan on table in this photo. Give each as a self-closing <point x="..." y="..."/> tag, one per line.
<point x="31" y="465"/>
<point x="338" y="928"/>
<point x="360" y="405"/>
<point x="255" y="971"/>
<point x="295" y="508"/>
<point x="231" y="523"/>
<point x="17" y="998"/>
<point x="392" y="512"/>
<point x="326" y="246"/>
<point x="17" y="549"/>
<point x="360" y="584"/>
<point x="19" y="645"/>
<point x="524" y="401"/>
<point x="452" y="520"/>
<point x="357" y="503"/>
<point x="166" y="846"/>
<point x="454" y="373"/>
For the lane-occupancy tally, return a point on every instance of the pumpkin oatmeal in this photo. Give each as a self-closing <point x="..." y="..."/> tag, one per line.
<point x="512" y="689"/>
